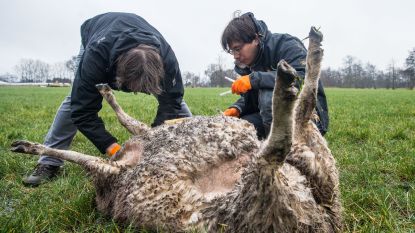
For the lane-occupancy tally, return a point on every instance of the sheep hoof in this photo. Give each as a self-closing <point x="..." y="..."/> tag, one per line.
<point x="315" y="35"/>
<point x="286" y="73"/>
<point x="23" y="146"/>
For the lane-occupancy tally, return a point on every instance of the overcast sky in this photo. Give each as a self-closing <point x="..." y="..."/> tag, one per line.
<point x="375" y="31"/>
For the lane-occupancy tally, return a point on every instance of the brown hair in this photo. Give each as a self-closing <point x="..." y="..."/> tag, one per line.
<point x="140" y="69"/>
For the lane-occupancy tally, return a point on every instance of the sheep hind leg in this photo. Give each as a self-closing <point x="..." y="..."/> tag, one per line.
<point x="279" y="141"/>
<point x="310" y="153"/>
<point x="134" y="126"/>
<point x="308" y="96"/>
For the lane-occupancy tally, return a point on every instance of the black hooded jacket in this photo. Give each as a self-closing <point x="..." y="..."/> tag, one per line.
<point x="272" y="48"/>
<point x="104" y="38"/>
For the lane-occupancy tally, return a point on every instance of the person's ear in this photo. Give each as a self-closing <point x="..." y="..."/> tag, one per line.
<point x="256" y="40"/>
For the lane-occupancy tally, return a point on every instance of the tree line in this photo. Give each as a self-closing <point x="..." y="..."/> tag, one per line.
<point x="353" y="74"/>
<point x="37" y="71"/>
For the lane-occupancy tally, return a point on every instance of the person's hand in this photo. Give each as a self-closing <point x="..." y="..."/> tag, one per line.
<point x="113" y="149"/>
<point x="241" y="85"/>
<point x="233" y="112"/>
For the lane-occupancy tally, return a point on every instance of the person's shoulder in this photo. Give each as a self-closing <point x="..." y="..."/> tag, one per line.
<point x="286" y="40"/>
<point x="284" y="37"/>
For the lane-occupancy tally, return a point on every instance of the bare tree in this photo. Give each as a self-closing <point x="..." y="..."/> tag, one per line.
<point x="348" y="70"/>
<point x="31" y="70"/>
<point x="392" y="73"/>
<point x="358" y="75"/>
<point x="24" y="70"/>
<point x="195" y="81"/>
<point x="217" y="72"/>
<point x="409" y="71"/>
<point x="61" y="73"/>
<point x="371" y="75"/>
<point x="191" y="80"/>
<point x="216" y="75"/>
<point x="331" y="77"/>
<point x="71" y="64"/>
<point x="186" y="76"/>
<point x="354" y="74"/>
<point x="42" y="71"/>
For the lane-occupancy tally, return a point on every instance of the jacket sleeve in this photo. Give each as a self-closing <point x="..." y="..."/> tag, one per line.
<point x="172" y="91"/>
<point x="86" y="102"/>
<point x="292" y="51"/>
<point x="239" y="104"/>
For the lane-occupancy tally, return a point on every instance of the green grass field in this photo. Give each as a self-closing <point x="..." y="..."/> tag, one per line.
<point x="372" y="136"/>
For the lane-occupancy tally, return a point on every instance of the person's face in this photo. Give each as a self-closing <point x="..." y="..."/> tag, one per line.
<point x="244" y="53"/>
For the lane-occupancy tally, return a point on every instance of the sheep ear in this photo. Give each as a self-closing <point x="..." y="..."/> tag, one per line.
<point x="90" y="163"/>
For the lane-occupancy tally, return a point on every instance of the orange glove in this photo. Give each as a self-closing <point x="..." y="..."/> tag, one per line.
<point x="113" y="149"/>
<point x="241" y="85"/>
<point x="233" y="112"/>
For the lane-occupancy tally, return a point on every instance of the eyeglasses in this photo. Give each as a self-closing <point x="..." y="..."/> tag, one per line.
<point x="237" y="50"/>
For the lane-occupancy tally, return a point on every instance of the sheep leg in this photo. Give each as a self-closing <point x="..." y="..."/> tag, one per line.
<point x="89" y="162"/>
<point x="310" y="153"/>
<point x="279" y="141"/>
<point x="134" y="126"/>
<point x="308" y="97"/>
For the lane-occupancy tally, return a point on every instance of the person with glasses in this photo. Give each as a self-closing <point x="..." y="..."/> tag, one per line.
<point x="257" y="52"/>
<point x="125" y="51"/>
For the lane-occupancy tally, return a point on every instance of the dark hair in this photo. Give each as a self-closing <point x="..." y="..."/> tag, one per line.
<point x="140" y="69"/>
<point x="240" y="29"/>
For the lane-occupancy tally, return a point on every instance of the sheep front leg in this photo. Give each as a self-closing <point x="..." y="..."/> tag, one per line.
<point x="279" y="141"/>
<point x="91" y="163"/>
<point x="134" y="126"/>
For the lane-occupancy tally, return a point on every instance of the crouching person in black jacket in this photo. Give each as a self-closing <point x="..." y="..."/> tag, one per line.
<point x="257" y="52"/>
<point x="129" y="54"/>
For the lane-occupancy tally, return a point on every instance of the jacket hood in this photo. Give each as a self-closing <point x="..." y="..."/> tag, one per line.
<point x="263" y="32"/>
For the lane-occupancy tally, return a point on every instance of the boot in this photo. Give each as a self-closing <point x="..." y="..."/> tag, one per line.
<point x="42" y="173"/>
